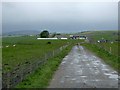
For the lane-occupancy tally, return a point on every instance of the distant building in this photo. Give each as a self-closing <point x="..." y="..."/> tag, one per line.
<point x="47" y="38"/>
<point x="102" y="41"/>
<point x="83" y="37"/>
<point x="77" y="37"/>
<point x="61" y="36"/>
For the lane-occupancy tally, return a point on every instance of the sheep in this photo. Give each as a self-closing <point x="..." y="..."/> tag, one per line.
<point x="7" y="46"/>
<point x="14" y="45"/>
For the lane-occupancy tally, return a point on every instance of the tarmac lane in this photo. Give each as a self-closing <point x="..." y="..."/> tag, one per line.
<point x="82" y="69"/>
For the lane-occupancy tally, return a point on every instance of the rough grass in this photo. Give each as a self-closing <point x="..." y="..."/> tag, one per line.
<point x="109" y="58"/>
<point x="98" y="35"/>
<point x="110" y="47"/>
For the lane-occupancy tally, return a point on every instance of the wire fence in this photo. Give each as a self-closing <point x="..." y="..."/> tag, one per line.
<point x="19" y="73"/>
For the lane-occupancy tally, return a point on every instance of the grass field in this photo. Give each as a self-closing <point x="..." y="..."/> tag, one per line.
<point x="26" y="49"/>
<point x="110" y="47"/>
<point x="98" y="35"/>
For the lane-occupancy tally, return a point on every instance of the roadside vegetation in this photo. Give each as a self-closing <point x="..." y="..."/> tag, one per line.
<point x="108" y="51"/>
<point x="98" y="35"/>
<point x="42" y="76"/>
<point x="109" y="58"/>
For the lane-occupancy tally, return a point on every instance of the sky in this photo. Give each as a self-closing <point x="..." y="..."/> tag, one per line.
<point x="59" y="16"/>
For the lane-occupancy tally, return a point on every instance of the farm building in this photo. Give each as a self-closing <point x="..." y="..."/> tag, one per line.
<point x="61" y="36"/>
<point x="102" y="41"/>
<point x="55" y="37"/>
<point x="47" y="38"/>
<point x="77" y="37"/>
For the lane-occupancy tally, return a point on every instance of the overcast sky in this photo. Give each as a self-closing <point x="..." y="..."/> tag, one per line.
<point x="59" y="16"/>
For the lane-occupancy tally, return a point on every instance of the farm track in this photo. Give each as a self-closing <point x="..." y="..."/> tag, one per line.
<point x="82" y="69"/>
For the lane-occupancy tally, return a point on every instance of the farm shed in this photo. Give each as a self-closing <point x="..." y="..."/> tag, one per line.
<point x="47" y="38"/>
<point x="77" y="37"/>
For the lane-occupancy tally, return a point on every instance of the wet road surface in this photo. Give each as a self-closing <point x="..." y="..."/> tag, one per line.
<point x="82" y="69"/>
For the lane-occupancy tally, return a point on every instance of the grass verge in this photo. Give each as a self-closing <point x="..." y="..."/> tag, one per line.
<point x="42" y="76"/>
<point x="110" y="59"/>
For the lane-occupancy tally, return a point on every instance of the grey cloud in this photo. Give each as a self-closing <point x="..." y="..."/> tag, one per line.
<point x="60" y="16"/>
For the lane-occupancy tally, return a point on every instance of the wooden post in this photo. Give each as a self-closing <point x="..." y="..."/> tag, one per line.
<point x="45" y="57"/>
<point x="110" y="49"/>
<point x="53" y="52"/>
<point x="8" y="80"/>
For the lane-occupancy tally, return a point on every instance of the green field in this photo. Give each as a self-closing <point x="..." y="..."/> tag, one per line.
<point x="26" y="49"/>
<point x="98" y="35"/>
<point x="110" y="47"/>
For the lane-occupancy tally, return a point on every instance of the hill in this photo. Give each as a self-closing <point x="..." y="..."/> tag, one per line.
<point x="22" y="32"/>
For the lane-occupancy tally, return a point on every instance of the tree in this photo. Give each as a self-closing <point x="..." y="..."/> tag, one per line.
<point x="44" y="34"/>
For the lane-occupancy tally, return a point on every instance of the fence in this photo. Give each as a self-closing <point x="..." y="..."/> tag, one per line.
<point x="19" y="73"/>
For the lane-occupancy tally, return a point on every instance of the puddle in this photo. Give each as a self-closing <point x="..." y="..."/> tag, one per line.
<point x="78" y="81"/>
<point x="96" y="63"/>
<point x="78" y="66"/>
<point x="114" y="72"/>
<point x="73" y="79"/>
<point x="105" y="69"/>
<point x="62" y="81"/>
<point x="108" y="74"/>
<point x="63" y="62"/>
<point x="97" y="80"/>
<point x="79" y="72"/>
<point x="113" y="76"/>
<point x="76" y="61"/>
<point x="67" y="76"/>
<point x="103" y="66"/>
<point x="96" y="72"/>
<point x="83" y="76"/>
<point x="94" y="66"/>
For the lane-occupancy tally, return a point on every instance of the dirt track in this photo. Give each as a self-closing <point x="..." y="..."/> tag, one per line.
<point x="82" y="69"/>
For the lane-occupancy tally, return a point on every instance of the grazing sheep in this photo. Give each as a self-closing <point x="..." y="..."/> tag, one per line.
<point x="14" y="45"/>
<point x="98" y="41"/>
<point x="7" y="46"/>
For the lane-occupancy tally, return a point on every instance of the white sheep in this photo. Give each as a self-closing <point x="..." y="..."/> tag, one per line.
<point x="7" y="46"/>
<point x="14" y="45"/>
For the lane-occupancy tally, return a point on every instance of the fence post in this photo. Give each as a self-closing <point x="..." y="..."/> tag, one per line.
<point x="23" y="70"/>
<point x="8" y="80"/>
<point x="53" y="53"/>
<point x="45" y="56"/>
<point x="110" y="49"/>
